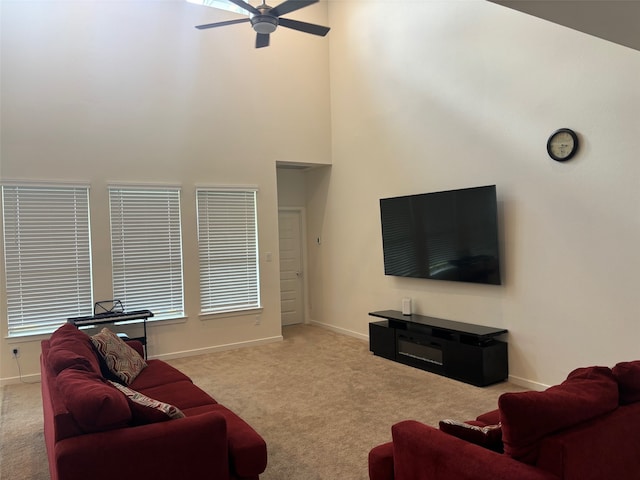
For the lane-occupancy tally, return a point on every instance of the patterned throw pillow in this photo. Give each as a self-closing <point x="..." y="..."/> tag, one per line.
<point x="120" y="358"/>
<point x="147" y="410"/>
<point x="487" y="436"/>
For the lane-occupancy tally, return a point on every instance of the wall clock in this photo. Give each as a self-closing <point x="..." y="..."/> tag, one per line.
<point x="562" y="144"/>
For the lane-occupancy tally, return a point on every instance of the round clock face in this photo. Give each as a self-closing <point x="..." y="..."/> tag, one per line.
<point x="562" y="144"/>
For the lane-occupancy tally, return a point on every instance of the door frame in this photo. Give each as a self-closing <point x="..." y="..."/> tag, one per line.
<point x="302" y="211"/>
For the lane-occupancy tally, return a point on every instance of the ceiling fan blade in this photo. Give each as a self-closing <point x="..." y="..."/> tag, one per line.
<point x="304" y="27"/>
<point x="222" y="24"/>
<point x="246" y="6"/>
<point x="290" y="6"/>
<point x="262" y="40"/>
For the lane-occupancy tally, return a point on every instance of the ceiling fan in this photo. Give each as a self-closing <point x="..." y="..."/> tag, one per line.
<point x="265" y="19"/>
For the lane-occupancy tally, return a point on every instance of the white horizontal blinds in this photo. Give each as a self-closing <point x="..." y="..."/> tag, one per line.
<point x="47" y="256"/>
<point x="146" y="249"/>
<point x="228" y="248"/>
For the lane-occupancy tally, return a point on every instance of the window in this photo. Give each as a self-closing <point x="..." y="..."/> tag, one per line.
<point x="228" y="248"/>
<point x="47" y="249"/>
<point x="146" y="250"/>
<point x="222" y="5"/>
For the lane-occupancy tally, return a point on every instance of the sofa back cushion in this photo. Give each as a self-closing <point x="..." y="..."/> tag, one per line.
<point x="94" y="404"/>
<point x="628" y="376"/>
<point x="69" y="347"/>
<point x="607" y="447"/>
<point x="56" y="414"/>
<point x="528" y="417"/>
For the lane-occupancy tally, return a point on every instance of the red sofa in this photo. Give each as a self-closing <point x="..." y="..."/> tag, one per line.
<point x="93" y="431"/>
<point x="587" y="428"/>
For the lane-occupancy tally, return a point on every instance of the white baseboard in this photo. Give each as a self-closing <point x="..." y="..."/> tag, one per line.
<point x="32" y="378"/>
<point x="521" y="382"/>
<point x="528" y="384"/>
<point x="35" y="378"/>
<point x="343" y="331"/>
<point x="217" y="348"/>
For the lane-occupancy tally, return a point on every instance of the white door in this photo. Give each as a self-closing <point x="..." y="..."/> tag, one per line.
<point x="291" y="274"/>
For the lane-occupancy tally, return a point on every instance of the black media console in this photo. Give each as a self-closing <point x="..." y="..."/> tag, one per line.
<point x="465" y="352"/>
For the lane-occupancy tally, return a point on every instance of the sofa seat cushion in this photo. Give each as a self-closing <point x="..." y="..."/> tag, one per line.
<point x="247" y="449"/>
<point x="157" y="373"/>
<point x="528" y="417"/>
<point x="183" y="394"/>
<point x="69" y="347"/>
<point x="627" y="375"/>
<point x="489" y="418"/>
<point x="122" y="360"/>
<point x="94" y="404"/>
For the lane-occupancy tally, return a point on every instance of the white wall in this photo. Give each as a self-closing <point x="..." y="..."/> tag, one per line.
<point x="434" y="95"/>
<point x="128" y="91"/>
<point x="425" y="96"/>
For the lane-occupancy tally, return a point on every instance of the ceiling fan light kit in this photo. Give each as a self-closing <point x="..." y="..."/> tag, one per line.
<point x="265" y="19"/>
<point x="264" y="24"/>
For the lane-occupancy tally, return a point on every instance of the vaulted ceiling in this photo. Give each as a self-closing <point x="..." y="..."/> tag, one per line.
<point x="613" y="20"/>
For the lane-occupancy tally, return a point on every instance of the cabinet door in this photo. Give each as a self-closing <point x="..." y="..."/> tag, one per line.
<point x="382" y="340"/>
<point x="463" y="362"/>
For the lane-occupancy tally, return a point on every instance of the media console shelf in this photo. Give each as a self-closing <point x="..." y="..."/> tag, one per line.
<point x="463" y="351"/>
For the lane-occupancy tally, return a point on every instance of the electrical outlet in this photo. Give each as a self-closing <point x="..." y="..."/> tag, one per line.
<point x="16" y="353"/>
<point x="258" y="319"/>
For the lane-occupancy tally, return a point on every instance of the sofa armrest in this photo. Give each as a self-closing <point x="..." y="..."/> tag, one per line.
<point x="191" y="447"/>
<point x="381" y="462"/>
<point x="421" y="452"/>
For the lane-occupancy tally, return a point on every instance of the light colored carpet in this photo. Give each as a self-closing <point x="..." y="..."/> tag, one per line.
<point x="320" y="400"/>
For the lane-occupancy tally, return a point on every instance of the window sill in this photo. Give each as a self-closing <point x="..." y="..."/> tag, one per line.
<point x="234" y="313"/>
<point x="166" y="321"/>
<point x="45" y="334"/>
<point x="28" y="337"/>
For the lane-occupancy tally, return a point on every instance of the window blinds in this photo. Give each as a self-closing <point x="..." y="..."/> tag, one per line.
<point x="228" y="249"/>
<point x="47" y="256"/>
<point x="146" y="249"/>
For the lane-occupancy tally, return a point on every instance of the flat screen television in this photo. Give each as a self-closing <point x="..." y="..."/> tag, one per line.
<point x="450" y="235"/>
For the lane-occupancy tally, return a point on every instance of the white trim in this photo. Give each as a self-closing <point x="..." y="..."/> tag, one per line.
<point x="232" y="188"/>
<point x="230" y="313"/>
<point x="143" y="185"/>
<point x="31" y="378"/>
<point x="528" y="384"/>
<point x="46" y="183"/>
<point x="343" y="331"/>
<point x="218" y="348"/>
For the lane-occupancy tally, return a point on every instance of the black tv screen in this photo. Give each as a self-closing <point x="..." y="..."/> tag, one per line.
<point x="451" y="235"/>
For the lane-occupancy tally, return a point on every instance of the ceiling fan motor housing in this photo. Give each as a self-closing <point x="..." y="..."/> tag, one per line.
<point x="264" y="23"/>
<point x="265" y="19"/>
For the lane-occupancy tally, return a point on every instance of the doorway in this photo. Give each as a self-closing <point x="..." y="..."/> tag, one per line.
<point x="290" y="228"/>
